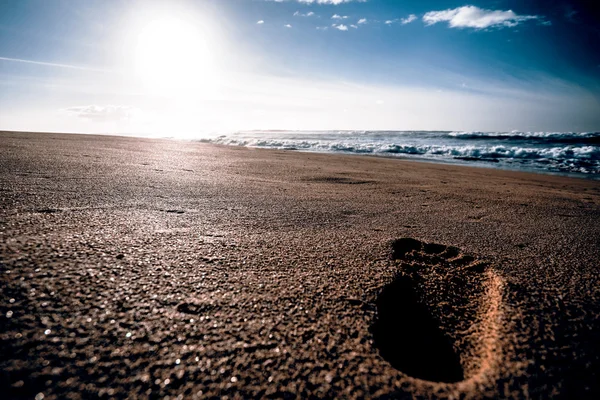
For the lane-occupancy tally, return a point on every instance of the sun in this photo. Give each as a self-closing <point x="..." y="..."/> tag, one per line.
<point x="173" y="55"/>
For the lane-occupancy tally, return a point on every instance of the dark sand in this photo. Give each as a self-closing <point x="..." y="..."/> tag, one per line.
<point x="145" y="268"/>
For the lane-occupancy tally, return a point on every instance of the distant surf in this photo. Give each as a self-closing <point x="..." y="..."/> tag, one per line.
<point x="569" y="153"/>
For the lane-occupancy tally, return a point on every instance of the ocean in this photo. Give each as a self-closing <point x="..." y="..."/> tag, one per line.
<point x="565" y="153"/>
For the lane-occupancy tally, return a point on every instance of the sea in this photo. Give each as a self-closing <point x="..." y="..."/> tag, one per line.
<point x="564" y="153"/>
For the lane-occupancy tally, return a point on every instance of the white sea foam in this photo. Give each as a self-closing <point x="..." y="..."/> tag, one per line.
<point x="542" y="151"/>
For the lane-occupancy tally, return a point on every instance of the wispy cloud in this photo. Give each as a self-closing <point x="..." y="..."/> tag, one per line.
<point x="570" y="13"/>
<point x="341" y="27"/>
<point x="403" y="21"/>
<point x="102" y="113"/>
<point x="260" y="22"/>
<point x="476" y="18"/>
<point x="362" y="21"/>
<point x="288" y="25"/>
<point x="336" y="16"/>
<point x="299" y="14"/>
<point x="408" y="19"/>
<point x="49" y="64"/>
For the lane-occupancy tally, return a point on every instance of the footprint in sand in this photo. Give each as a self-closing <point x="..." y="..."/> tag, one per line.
<point x="439" y="320"/>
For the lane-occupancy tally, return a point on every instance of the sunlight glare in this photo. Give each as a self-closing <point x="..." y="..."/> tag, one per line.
<point x="172" y="55"/>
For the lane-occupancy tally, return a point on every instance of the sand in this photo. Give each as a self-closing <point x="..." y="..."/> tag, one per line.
<point x="147" y="268"/>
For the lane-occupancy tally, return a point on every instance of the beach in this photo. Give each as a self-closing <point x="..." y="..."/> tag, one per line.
<point x="142" y="268"/>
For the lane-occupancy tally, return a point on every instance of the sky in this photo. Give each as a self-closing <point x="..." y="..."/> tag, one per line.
<point x="182" y="68"/>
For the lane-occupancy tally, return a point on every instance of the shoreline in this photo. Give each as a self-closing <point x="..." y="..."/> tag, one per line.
<point x="458" y="161"/>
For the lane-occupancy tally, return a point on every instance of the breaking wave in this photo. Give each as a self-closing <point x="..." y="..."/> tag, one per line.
<point x="562" y="152"/>
<point x="557" y="137"/>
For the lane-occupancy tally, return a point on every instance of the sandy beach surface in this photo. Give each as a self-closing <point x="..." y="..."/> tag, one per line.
<point x="149" y="268"/>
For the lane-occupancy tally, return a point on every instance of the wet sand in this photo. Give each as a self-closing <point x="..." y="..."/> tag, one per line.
<point x="147" y="268"/>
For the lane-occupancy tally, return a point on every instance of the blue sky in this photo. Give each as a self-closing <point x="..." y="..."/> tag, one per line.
<point x="183" y="67"/>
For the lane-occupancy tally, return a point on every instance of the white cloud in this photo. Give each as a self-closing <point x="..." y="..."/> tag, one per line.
<point x="102" y="113"/>
<point x="475" y="17"/>
<point x="336" y="16"/>
<point x="408" y="19"/>
<point x="389" y="22"/>
<point x="287" y="25"/>
<point x="299" y="14"/>
<point x="260" y="22"/>
<point x="341" y="27"/>
<point x="354" y="26"/>
<point x="362" y="21"/>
